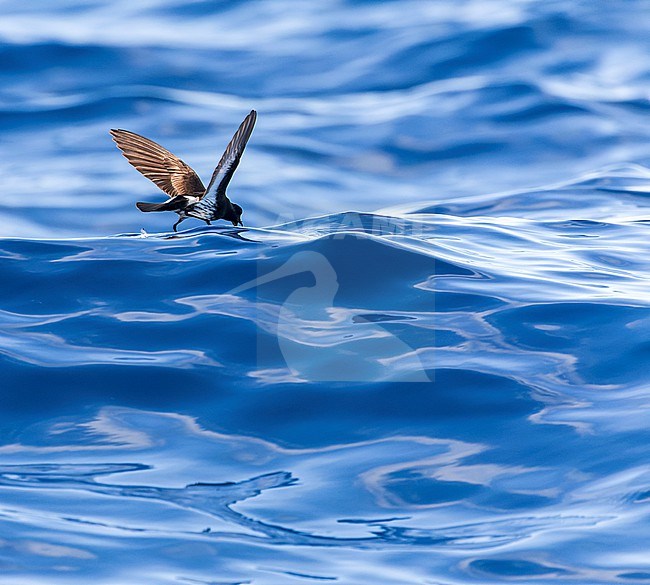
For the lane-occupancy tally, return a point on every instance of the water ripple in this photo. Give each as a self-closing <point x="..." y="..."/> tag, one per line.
<point x="422" y="360"/>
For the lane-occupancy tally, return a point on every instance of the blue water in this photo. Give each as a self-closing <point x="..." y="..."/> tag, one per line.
<point x="424" y="359"/>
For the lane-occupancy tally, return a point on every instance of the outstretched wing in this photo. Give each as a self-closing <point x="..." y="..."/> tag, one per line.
<point x="159" y="165"/>
<point x="224" y="171"/>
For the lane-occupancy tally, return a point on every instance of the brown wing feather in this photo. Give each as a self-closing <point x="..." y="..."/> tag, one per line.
<point x="159" y="165"/>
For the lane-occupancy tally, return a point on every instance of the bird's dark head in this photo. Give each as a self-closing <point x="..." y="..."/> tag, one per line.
<point x="236" y="215"/>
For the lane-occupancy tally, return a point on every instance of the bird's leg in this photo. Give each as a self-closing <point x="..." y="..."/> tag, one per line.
<point x="179" y="221"/>
<point x="207" y="221"/>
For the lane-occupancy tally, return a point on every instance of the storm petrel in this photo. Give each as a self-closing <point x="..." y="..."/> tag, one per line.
<point x="187" y="195"/>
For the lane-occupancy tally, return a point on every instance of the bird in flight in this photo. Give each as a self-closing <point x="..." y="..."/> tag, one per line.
<point x="187" y="195"/>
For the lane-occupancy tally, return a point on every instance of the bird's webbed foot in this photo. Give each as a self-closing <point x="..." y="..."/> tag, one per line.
<point x="176" y="224"/>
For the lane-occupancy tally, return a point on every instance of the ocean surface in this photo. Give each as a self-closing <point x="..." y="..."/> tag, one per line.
<point x="423" y="360"/>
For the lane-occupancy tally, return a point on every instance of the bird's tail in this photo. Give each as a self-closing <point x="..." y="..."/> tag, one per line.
<point x="151" y="206"/>
<point x="174" y="204"/>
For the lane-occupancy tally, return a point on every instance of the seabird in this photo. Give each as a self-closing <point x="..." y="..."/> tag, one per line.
<point x="187" y="195"/>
